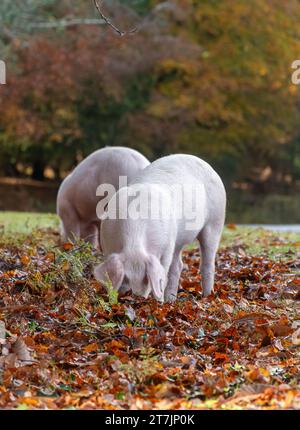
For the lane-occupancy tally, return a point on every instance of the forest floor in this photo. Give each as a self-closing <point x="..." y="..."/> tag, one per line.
<point x="66" y="342"/>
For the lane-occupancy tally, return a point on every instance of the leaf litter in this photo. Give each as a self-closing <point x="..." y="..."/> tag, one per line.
<point x="68" y="342"/>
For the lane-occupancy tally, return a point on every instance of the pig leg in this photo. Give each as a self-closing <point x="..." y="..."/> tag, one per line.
<point x="99" y="235"/>
<point x="209" y="239"/>
<point x="173" y="278"/>
<point x="70" y="226"/>
<point x="89" y="232"/>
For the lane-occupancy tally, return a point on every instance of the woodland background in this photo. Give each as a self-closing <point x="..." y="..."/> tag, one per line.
<point x="207" y="77"/>
<point x="212" y="78"/>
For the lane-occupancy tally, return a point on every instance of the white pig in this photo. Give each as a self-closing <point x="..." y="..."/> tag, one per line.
<point x="77" y="200"/>
<point x="144" y="253"/>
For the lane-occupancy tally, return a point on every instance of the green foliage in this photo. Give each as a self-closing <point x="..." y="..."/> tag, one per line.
<point x="68" y="267"/>
<point x="111" y="292"/>
<point x="249" y="208"/>
<point x="140" y="6"/>
<point x="16" y="18"/>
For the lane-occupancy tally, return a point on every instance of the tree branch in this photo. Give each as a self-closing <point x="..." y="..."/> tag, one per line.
<point x="67" y="23"/>
<point x="8" y="35"/>
<point x="108" y="22"/>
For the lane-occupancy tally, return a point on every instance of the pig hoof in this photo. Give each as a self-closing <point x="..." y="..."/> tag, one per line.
<point x="206" y="294"/>
<point x="170" y="298"/>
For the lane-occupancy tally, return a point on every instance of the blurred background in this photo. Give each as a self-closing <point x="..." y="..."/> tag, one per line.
<point x="206" y="77"/>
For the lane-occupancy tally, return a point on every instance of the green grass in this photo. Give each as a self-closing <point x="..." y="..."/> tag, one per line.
<point x="19" y="228"/>
<point x="258" y="240"/>
<point x="26" y="222"/>
<point x="16" y="226"/>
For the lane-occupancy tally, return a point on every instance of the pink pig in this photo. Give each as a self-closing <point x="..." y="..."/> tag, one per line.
<point x="143" y="253"/>
<point x="77" y="200"/>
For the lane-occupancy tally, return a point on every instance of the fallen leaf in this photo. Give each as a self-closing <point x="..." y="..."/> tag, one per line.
<point x="91" y="347"/>
<point x="21" y="350"/>
<point x="67" y="246"/>
<point x="296" y="337"/>
<point x="130" y="313"/>
<point x="231" y="226"/>
<point x="25" y="260"/>
<point x="281" y="330"/>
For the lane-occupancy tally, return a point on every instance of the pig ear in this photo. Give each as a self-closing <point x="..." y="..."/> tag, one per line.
<point x="112" y="269"/>
<point x="156" y="277"/>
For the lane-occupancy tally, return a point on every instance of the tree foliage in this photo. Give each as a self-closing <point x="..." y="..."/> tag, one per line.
<point x="210" y="78"/>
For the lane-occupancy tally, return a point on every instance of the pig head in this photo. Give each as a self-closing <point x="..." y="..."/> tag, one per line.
<point x="141" y="273"/>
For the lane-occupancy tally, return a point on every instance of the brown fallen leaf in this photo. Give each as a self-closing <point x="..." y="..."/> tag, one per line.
<point x="281" y="330"/>
<point x="25" y="260"/>
<point x="296" y="337"/>
<point x="191" y="354"/>
<point x="67" y="246"/>
<point x="21" y="350"/>
<point x="166" y="390"/>
<point x="250" y="389"/>
<point x="9" y="361"/>
<point x="231" y="226"/>
<point x="251" y="316"/>
<point x="92" y="347"/>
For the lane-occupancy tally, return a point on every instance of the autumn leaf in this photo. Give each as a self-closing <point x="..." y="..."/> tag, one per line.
<point x="296" y="337"/>
<point x="67" y="246"/>
<point x="231" y="226"/>
<point x="195" y="353"/>
<point x="25" y="260"/>
<point x="21" y="350"/>
<point x="92" y="347"/>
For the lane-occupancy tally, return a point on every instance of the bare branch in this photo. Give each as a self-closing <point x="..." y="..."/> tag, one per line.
<point x="67" y="23"/>
<point x="108" y="22"/>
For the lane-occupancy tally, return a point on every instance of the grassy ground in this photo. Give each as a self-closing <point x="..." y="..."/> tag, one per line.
<point x="67" y="342"/>
<point x="258" y="240"/>
<point x="20" y="224"/>
<point x="26" y="222"/>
